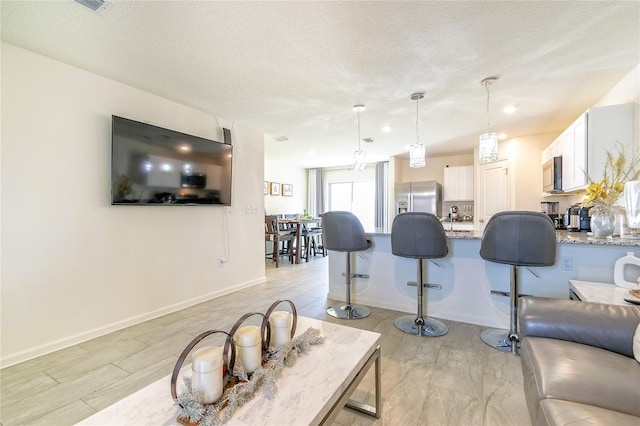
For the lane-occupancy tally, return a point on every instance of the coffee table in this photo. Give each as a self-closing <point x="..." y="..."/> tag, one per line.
<point x="311" y="392"/>
<point x="587" y="291"/>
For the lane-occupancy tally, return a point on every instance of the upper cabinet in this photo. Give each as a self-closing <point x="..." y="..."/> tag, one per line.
<point x="574" y="155"/>
<point x="608" y="127"/>
<point x="458" y="183"/>
<point x="553" y="150"/>
<point x="584" y="144"/>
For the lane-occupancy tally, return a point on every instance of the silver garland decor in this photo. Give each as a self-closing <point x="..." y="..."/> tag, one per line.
<point x="263" y="378"/>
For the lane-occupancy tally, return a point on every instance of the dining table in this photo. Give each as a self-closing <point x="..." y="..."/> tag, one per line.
<point x="299" y="224"/>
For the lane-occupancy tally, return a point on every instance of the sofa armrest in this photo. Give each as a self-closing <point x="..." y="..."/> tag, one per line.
<point x="605" y="326"/>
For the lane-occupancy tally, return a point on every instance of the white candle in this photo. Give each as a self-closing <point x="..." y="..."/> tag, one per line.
<point x="207" y="373"/>
<point x="249" y="347"/>
<point x="280" y="324"/>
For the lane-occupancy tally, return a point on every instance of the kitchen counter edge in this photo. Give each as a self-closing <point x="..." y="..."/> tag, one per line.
<point x="562" y="237"/>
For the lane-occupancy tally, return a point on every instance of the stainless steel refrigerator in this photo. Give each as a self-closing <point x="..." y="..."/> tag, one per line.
<point x="418" y="197"/>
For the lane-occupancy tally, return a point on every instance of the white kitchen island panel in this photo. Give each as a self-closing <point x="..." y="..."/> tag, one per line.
<point x="466" y="279"/>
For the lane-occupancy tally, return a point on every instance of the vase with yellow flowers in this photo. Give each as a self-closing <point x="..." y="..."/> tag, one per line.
<point x="602" y="195"/>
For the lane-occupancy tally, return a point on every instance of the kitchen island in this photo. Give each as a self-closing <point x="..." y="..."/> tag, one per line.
<point x="467" y="280"/>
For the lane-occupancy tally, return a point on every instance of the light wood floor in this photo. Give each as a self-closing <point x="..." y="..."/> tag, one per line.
<point x="450" y="380"/>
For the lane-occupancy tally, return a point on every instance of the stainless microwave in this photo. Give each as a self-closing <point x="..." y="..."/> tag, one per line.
<point x="552" y="175"/>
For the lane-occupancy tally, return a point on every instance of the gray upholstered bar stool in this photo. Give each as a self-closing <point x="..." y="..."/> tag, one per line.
<point x="516" y="238"/>
<point x="342" y="231"/>
<point x="419" y="236"/>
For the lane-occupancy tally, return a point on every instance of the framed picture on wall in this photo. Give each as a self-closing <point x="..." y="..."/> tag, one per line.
<point x="274" y="188"/>
<point x="287" y="190"/>
<point x="266" y="187"/>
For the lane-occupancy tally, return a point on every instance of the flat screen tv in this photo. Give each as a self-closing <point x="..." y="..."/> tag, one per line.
<point x="161" y="167"/>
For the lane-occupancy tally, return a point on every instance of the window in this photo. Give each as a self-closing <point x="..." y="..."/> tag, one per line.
<point x="356" y="197"/>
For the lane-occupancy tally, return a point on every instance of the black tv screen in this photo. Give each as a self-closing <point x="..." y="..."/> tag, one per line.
<point x="155" y="166"/>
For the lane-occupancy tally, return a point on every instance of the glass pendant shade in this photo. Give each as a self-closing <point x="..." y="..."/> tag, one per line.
<point x="359" y="156"/>
<point x="488" y="150"/>
<point x="416" y="155"/>
<point x="359" y="160"/>
<point x="417" y="151"/>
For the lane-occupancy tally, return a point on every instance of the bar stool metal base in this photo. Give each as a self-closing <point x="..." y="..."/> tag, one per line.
<point x="430" y="327"/>
<point x="499" y="339"/>
<point x="346" y="311"/>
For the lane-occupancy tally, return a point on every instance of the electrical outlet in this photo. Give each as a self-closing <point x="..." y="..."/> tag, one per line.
<point x="566" y="264"/>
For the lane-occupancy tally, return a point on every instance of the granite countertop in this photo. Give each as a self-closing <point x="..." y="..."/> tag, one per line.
<point x="562" y="237"/>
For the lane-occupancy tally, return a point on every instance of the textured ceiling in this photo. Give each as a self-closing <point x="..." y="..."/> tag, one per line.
<point x="295" y="69"/>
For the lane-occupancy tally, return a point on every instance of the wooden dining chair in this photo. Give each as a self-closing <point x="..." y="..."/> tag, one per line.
<point x="312" y="237"/>
<point x="273" y="234"/>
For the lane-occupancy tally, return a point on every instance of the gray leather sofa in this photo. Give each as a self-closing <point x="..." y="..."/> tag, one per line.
<point x="578" y="364"/>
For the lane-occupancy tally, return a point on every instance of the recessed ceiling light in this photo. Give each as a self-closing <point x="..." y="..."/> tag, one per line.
<point x="185" y="147"/>
<point x="386" y="128"/>
<point x="509" y="109"/>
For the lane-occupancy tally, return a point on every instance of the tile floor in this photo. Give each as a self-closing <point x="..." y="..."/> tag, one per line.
<point x="450" y="380"/>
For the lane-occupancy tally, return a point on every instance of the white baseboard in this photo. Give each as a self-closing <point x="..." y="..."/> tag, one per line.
<point x="65" y="342"/>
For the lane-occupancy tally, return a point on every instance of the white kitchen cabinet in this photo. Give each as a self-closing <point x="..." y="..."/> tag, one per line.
<point x="608" y="127"/>
<point x="587" y="140"/>
<point x="458" y="183"/>
<point x="553" y="150"/>
<point x="574" y="155"/>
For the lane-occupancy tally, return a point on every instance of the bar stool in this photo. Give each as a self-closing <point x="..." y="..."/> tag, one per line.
<point x="516" y="238"/>
<point x="419" y="236"/>
<point x="342" y="231"/>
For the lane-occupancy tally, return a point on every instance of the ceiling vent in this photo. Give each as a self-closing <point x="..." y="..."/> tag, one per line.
<point x="281" y="139"/>
<point x="95" y="5"/>
<point x="368" y="140"/>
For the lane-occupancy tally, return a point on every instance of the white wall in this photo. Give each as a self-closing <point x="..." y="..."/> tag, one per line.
<point x="275" y="171"/>
<point x="627" y="90"/>
<point x="434" y="169"/>
<point x="74" y="267"/>
<point x="524" y="153"/>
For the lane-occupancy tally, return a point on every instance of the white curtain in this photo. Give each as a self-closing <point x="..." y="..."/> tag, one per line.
<point x="315" y="202"/>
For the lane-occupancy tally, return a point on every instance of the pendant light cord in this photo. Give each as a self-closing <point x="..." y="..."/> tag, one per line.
<point x="417" y="134"/>
<point x="488" y="122"/>
<point x="358" y="114"/>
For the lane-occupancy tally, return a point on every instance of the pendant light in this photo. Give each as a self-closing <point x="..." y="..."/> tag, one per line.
<point x="416" y="151"/>
<point x="359" y="155"/>
<point x="488" y="149"/>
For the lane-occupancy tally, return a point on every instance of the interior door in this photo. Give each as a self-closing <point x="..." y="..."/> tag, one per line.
<point x="493" y="191"/>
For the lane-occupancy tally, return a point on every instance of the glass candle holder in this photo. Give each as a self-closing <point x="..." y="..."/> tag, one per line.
<point x="207" y="373"/>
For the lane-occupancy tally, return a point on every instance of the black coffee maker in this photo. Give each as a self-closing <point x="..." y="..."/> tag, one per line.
<point x="585" y="219"/>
